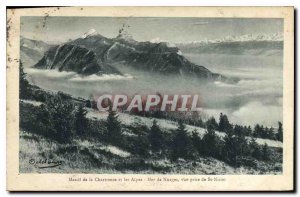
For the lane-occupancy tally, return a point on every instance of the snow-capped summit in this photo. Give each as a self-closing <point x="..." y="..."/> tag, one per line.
<point x="91" y="32"/>
<point x="125" y="36"/>
<point x="242" y="38"/>
<point x="254" y="37"/>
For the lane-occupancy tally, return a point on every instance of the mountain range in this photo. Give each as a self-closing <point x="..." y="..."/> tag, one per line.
<point x="249" y="44"/>
<point x="93" y="53"/>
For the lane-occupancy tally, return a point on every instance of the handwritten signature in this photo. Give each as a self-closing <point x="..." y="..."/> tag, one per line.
<point x="45" y="163"/>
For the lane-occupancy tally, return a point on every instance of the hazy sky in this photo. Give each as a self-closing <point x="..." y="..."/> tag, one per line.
<point x="60" y="29"/>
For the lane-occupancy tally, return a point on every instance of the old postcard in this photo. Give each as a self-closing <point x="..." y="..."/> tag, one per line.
<point x="150" y="99"/>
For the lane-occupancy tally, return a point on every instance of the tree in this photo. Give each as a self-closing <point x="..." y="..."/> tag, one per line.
<point x="197" y="143"/>
<point x="239" y="130"/>
<point x="156" y="138"/>
<point x="210" y="144"/>
<point x="255" y="150"/>
<point x="141" y="145"/>
<point x="265" y="152"/>
<point x="45" y="120"/>
<point x="271" y="133"/>
<point x="229" y="148"/>
<point x="279" y="134"/>
<point x="23" y="83"/>
<point x="263" y="132"/>
<point x="61" y="114"/>
<point x="235" y="147"/>
<point x="81" y="122"/>
<point x="113" y="128"/>
<point x="241" y="144"/>
<point x="200" y="123"/>
<point x="248" y="131"/>
<point x="224" y="124"/>
<point x="181" y="143"/>
<point x="212" y="124"/>
<point x="257" y="131"/>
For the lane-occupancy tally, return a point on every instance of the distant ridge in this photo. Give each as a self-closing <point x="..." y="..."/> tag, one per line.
<point x="249" y="44"/>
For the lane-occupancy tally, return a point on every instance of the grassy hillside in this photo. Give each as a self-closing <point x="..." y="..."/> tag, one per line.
<point x="84" y="156"/>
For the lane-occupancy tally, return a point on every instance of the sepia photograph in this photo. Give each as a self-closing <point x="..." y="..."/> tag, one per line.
<point x="141" y="94"/>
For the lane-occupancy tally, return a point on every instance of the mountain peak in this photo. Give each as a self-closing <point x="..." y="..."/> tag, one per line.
<point x="125" y="36"/>
<point x="91" y="32"/>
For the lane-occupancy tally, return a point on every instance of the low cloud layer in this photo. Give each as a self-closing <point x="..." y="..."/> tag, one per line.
<point x="256" y="98"/>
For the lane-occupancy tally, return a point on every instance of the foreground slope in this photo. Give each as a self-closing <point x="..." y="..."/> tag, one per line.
<point x="83" y="156"/>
